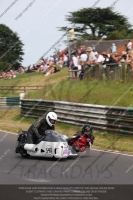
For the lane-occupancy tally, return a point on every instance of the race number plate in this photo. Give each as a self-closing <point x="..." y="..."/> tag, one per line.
<point x="65" y="151"/>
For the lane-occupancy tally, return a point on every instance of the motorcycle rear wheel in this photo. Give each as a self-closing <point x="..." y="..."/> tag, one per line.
<point x="24" y="153"/>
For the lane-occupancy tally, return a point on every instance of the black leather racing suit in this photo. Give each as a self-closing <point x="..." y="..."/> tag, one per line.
<point x="37" y="130"/>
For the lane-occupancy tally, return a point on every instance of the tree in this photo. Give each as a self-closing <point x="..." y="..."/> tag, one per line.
<point x="11" y="47"/>
<point x="95" y="23"/>
<point x="116" y="35"/>
<point x="57" y="49"/>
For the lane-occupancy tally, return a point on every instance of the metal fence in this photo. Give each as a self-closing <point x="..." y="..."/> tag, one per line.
<point x="18" y="89"/>
<point x="9" y="101"/>
<point x="105" y="118"/>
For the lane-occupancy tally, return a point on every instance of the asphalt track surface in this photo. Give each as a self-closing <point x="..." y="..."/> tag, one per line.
<point x="92" y="167"/>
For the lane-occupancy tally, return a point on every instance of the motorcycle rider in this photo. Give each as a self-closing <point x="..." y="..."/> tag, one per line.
<point x="36" y="131"/>
<point x="38" y="128"/>
<point x="87" y="131"/>
<point x="85" y="135"/>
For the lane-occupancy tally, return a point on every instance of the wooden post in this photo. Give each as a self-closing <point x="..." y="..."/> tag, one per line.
<point x="2" y="89"/>
<point x="12" y="89"/>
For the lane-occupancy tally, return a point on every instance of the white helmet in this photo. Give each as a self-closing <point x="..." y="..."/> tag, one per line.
<point x="51" y="118"/>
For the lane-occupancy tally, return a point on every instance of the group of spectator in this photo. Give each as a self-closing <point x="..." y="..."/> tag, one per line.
<point x="89" y="56"/>
<point x="8" y="74"/>
<point x="47" y="66"/>
<point x="75" y="59"/>
<point x="84" y="56"/>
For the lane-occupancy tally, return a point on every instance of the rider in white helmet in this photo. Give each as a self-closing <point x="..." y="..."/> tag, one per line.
<point x="36" y="131"/>
<point x="51" y="118"/>
<point x="38" y="128"/>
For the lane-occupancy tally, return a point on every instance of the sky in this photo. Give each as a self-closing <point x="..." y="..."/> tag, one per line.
<point x="36" y="21"/>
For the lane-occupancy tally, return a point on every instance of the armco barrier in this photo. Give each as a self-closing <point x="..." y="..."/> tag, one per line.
<point x="108" y="118"/>
<point x="2" y="101"/>
<point x="9" y="101"/>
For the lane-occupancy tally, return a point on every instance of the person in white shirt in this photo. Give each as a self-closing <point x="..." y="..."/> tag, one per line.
<point x="50" y="60"/>
<point x="129" y="45"/>
<point x="83" y="56"/>
<point x="65" y="60"/>
<point x="100" y="58"/>
<point x="73" y="62"/>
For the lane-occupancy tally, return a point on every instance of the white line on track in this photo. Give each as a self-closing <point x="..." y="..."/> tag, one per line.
<point x="114" y="152"/>
<point x="8" y="132"/>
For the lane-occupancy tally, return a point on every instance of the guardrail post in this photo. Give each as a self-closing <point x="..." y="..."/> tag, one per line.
<point x="21" y="95"/>
<point x="12" y="89"/>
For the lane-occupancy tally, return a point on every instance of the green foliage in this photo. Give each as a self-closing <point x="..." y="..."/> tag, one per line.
<point x="19" y="117"/>
<point x="95" y="23"/>
<point x="116" y="35"/>
<point x="4" y="66"/>
<point x="57" y="51"/>
<point x="90" y="92"/>
<point x="11" y="47"/>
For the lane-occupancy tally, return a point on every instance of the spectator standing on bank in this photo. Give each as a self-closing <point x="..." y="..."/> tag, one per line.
<point x="129" y="59"/>
<point x="73" y="65"/>
<point x="128" y="46"/>
<point x="113" y="48"/>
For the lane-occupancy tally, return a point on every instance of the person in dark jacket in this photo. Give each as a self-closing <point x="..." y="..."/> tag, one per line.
<point x="108" y="58"/>
<point x="36" y="131"/>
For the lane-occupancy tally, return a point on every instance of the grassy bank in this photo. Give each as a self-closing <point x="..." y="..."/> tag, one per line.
<point x="91" y="92"/>
<point x="31" y="79"/>
<point x="59" y="87"/>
